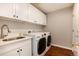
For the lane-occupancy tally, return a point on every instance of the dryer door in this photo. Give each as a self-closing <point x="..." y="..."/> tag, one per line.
<point x="41" y="45"/>
<point x="49" y="40"/>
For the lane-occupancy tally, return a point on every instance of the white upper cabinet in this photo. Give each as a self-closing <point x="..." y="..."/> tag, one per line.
<point x="21" y="11"/>
<point x="36" y="16"/>
<point x="42" y="18"/>
<point x="14" y="10"/>
<point x="33" y="14"/>
<point x="6" y="10"/>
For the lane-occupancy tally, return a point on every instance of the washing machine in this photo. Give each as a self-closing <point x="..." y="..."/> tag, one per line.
<point x="47" y="35"/>
<point x="38" y="44"/>
<point x="48" y="40"/>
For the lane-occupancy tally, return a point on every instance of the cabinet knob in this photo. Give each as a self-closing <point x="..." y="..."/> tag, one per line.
<point x="20" y="49"/>
<point x="35" y="21"/>
<point x="14" y="15"/>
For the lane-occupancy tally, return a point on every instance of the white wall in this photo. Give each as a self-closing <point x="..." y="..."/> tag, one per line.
<point x="18" y="27"/>
<point x="60" y="25"/>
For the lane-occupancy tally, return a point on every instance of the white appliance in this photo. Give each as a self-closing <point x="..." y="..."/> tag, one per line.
<point x="39" y="43"/>
<point x="48" y="40"/>
<point x="47" y="35"/>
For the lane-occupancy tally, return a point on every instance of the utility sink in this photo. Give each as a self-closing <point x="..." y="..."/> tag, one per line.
<point x="16" y="38"/>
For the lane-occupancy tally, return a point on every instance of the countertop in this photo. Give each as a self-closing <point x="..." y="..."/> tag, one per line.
<point x="13" y="41"/>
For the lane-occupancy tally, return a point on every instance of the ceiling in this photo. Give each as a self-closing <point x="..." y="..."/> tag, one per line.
<point x="50" y="7"/>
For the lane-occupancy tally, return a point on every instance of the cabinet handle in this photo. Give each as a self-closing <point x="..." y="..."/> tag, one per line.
<point x="14" y="15"/>
<point x="35" y="21"/>
<point x="20" y="49"/>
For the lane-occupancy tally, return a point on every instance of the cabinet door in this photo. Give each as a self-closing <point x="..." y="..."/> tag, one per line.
<point x="6" y="10"/>
<point x="33" y="14"/>
<point x="29" y="47"/>
<point x="42" y="18"/>
<point x="21" y="11"/>
<point x="25" y="50"/>
<point x="36" y="16"/>
<point x="14" y="52"/>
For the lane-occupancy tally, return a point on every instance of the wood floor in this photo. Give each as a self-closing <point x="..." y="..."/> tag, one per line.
<point x="57" y="51"/>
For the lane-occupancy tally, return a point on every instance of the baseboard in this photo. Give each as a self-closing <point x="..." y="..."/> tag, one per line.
<point x="61" y="46"/>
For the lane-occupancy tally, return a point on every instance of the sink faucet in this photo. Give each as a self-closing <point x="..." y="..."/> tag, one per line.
<point x="2" y="35"/>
